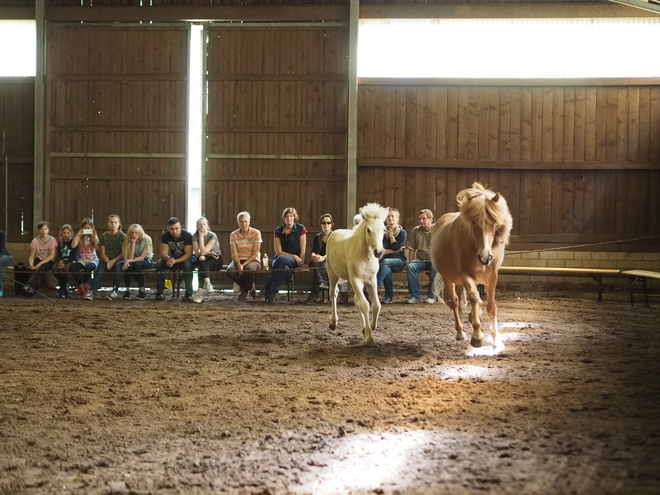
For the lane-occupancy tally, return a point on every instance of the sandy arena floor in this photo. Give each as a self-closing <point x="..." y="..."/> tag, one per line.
<point x="138" y="397"/>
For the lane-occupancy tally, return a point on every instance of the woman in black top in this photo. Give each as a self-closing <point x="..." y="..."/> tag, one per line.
<point x="318" y="257"/>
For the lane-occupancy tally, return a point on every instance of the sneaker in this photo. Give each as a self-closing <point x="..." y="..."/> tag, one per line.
<point x="253" y="292"/>
<point x="387" y="300"/>
<point x="113" y="296"/>
<point x="89" y="296"/>
<point x="160" y="296"/>
<point x="324" y="286"/>
<point x="208" y="287"/>
<point x="196" y="298"/>
<point x="429" y="300"/>
<point x="127" y="294"/>
<point x="187" y="297"/>
<point x="242" y="296"/>
<point x="142" y="295"/>
<point x="414" y="300"/>
<point x="85" y="290"/>
<point x="2" y="294"/>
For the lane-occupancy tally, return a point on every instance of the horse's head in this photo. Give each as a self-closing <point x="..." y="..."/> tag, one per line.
<point x="490" y="218"/>
<point x="373" y="227"/>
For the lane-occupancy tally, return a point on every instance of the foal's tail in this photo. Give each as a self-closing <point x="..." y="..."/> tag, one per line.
<point x="441" y="293"/>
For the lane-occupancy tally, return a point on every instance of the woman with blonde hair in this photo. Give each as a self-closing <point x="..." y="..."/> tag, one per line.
<point x="138" y="253"/>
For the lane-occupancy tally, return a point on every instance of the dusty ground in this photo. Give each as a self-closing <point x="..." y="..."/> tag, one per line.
<point x="246" y="398"/>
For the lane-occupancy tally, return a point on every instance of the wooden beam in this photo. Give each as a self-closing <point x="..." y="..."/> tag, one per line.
<point x="17" y="13"/>
<point x="503" y="11"/>
<point x="171" y="13"/>
<point x="457" y="81"/>
<point x="505" y="165"/>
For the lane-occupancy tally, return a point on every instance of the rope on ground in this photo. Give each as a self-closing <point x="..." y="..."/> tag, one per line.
<point x="573" y="246"/>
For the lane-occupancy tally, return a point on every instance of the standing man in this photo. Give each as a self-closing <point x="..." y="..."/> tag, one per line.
<point x="419" y="242"/>
<point x="175" y="254"/>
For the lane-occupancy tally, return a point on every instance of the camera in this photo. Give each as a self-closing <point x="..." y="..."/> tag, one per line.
<point x="88" y="231"/>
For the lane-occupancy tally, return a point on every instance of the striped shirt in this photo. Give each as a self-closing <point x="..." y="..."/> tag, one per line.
<point x="244" y="244"/>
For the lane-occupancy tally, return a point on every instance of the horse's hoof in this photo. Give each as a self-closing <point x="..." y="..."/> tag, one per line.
<point x="476" y="342"/>
<point x="333" y="326"/>
<point x="369" y="342"/>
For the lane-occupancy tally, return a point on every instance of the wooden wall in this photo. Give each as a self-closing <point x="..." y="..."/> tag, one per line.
<point x="575" y="163"/>
<point x="276" y="126"/>
<point x="17" y="152"/>
<point x="116" y="124"/>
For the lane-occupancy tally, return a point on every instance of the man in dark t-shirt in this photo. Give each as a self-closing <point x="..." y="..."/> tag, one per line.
<point x="175" y="254"/>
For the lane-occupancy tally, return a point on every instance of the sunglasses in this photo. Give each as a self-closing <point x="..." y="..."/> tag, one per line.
<point x="326" y="223"/>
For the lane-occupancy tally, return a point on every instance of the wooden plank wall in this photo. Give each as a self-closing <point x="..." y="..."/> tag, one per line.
<point x="16" y="149"/>
<point x="276" y="126"/>
<point x="116" y="124"/>
<point x="575" y="163"/>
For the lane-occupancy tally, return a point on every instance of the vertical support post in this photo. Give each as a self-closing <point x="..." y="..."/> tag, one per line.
<point x="40" y="116"/>
<point x="351" y="169"/>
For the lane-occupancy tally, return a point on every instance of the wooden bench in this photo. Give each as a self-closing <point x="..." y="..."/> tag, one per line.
<point x="634" y="276"/>
<point x="595" y="273"/>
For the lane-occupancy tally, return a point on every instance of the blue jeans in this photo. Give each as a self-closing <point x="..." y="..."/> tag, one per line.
<point x="384" y="275"/>
<point x="413" y="268"/>
<point x="186" y="266"/>
<point x="5" y="260"/>
<point x="103" y="268"/>
<point x="135" y="270"/>
<point x="281" y="266"/>
<point x="88" y="268"/>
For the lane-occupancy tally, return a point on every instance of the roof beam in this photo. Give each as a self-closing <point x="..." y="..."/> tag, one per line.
<point x="648" y="5"/>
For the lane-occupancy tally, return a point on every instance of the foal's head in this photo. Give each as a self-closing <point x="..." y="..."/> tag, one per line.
<point x="490" y="218"/>
<point x="373" y="226"/>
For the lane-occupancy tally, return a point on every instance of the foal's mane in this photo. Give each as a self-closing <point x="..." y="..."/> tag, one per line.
<point x="483" y="207"/>
<point x="371" y="211"/>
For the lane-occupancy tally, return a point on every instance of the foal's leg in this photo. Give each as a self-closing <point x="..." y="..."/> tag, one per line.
<point x="452" y="301"/>
<point x="363" y="309"/>
<point x="332" y="293"/>
<point x="470" y="286"/>
<point x="375" y="304"/>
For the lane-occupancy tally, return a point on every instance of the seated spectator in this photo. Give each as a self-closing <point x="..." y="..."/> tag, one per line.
<point x="5" y="260"/>
<point x="85" y="241"/>
<point x="206" y="249"/>
<point x="64" y="259"/>
<point x="138" y="253"/>
<point x="290" y="243"/>
<point x="394" y="259"/>
<point x="419" y="242"/>
<point x="110" y="257"/>
<point x="43" y="249"/>
<point x="317" y="262"/>
<point x="175" y="253"/>
<point x="245" y="243"/>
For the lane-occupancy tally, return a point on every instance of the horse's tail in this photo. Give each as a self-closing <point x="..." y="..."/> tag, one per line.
<point x="441" y="293"/>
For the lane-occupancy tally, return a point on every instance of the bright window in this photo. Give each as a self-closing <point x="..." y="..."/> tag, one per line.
<point x="18" y="48"/>
<point x="515" y="48"/>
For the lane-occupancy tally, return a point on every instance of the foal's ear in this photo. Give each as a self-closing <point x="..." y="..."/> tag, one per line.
<point x="496" y="198"/>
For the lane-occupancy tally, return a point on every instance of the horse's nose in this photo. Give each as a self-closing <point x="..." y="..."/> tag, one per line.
<point x="488" y="259"/>
<point x="378" y="254"/>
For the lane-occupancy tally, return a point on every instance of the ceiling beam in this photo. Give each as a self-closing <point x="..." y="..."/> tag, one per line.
<point x="648" y="5"/>
<point x="504" y="11"/>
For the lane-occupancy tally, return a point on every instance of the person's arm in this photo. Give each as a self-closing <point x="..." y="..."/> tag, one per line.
<point x="187" y="254"/>
<point x="256" y="252"/>
<point x="31" y="257"/>
<point x="209" y="246"/>
<point x="51" y="256"/>
<point x="303" y="247"/>
<point x="76" y="239"/>
<point x="164" y="251"/>
<point x="235" y="258"/>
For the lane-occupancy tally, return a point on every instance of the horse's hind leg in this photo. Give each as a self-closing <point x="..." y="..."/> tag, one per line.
<point x="452" y="301"/>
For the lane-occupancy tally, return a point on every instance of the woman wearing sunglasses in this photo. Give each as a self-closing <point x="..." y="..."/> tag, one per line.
<point x="317" y="262"/>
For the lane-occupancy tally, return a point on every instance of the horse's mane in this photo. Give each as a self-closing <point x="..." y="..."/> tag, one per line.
<point x="484" y="207"/>
<point x="372" y="211"/>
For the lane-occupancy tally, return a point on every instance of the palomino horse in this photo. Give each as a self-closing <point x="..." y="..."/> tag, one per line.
<point x="353" y="255"/>
<point x="467" y="249"/>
